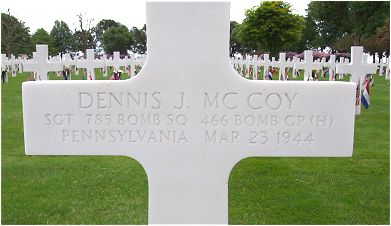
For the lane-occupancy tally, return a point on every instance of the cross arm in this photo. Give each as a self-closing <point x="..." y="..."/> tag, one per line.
<point x="30" y="66"/>
<point x="54" y="66"/>
<point x="317" y="66"/>
<point x="243" y="118"/>
<point x="99" y="64"/>
<point x="65" y="119"/>
<point x="299" y="65"/>
<point x="343" y="68"/>
<point x="370" y="68"/>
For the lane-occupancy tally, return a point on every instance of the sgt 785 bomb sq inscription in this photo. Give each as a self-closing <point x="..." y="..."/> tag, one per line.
<point x="188" y="117"/>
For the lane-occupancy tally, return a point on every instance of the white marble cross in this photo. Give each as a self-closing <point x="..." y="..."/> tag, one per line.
<point x="341" y="62"/>
<point x="266" y="63"/>
<point x="308" y="65"/>
<point x="295" y="60"/>
<point x="104" y="60"/>
<point x="282" y="64"/>
<point x="90" y="64"/>
<point x="131" y="64"/>
<point x="254" y="64"/>
<point x="56" y="59"/>
<point x="247" y="62"/>
<point x="186" y="124"/>
<point x="242" y="67"/>
<point x="346" y="62"/>
<point x="116" y="62"/>
<point x="21" y="61"/>
<point x="67" y="60"/>
<point x="331" y="64"/>
<point x="5" y="62"/>
<point x="40" y="64"/>
<point x="358" y="70"/>
<point x="14" y="65"/>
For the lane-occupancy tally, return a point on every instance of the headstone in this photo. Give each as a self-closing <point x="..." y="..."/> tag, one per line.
<point x="89" y="63"/>
<point x="188" y="125"/>
<point x="308" y="65"/>
<point x="358" y="70"/>
<point x="40" y="64"/>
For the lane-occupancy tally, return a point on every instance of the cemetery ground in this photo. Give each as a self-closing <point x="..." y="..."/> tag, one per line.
<point x="114" y="190"/>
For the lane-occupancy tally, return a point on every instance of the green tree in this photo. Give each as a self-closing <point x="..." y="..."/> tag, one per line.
<point x="42" y="37"/>
<point x="366" y="17"/>
<point x="383" y="37"/>
<point x="343" y="24"/>
<point x="235" y="45"/>
<point x="311" y="37"/>
<point x="331" y="19"/>
<point x="117" y="38"/>
<point x="139" y="37"/>
<point x="62" y="36"/>
<point x="15" y="37"/>
<point x="102" y="26"/>
<point x="84" y="38"/>
<point x="271" y="27"/>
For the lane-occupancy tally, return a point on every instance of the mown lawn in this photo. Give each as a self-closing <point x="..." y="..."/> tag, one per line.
<point x="114" y="190"/>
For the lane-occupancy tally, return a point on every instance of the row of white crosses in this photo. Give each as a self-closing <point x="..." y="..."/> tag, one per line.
<point x="90" y="63"/>
<point x="12" y="63"/>
<point x="5" y="63"/>
<point x="40" y="64"/>
<point x="307" y="65"/>
<point x="358" y="68"/>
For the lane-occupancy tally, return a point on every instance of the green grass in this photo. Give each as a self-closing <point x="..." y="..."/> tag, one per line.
<point x="114" y="190"/>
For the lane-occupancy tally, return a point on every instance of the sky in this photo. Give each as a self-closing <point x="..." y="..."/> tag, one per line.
<point x="42" y="14"/>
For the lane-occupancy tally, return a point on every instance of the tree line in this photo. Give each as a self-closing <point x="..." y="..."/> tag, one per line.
<point x="107" y="35"/>
<point x="336" y="25"/>
<point x="270" y="27"/>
